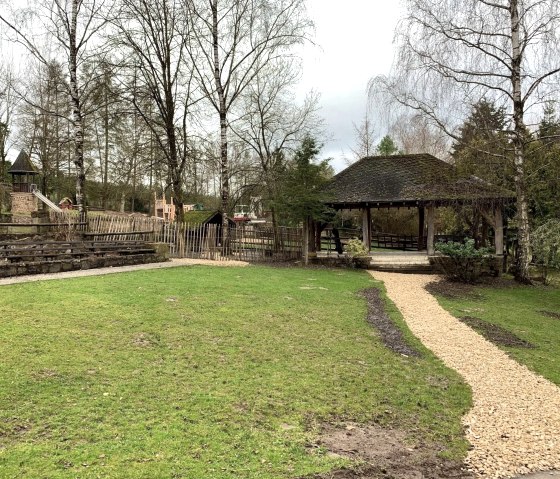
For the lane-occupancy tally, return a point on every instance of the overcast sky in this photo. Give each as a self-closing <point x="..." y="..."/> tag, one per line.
<point x="355" y="43"/>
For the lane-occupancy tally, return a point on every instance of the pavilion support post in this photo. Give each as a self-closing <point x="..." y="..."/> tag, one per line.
<point x="499" y="231"/>
<point x="421" y="225"/>
<point x="366" y="227"/>
<point x="430" y="210"/>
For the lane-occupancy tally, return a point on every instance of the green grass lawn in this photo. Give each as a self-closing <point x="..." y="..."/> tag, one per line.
<point x="521" y="310"/>
<point x="204" y="372"/>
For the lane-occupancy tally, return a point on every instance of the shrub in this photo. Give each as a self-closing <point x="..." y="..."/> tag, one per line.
<point x="463" y="261"/>
<point x="358" y="253"/>
<point x="546" y="246"/>
<point x="355" y="248"/>
<point x="463" y="250"/>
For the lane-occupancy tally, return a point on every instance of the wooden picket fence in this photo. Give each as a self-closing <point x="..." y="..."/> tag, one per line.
<point x="255" y="243"/>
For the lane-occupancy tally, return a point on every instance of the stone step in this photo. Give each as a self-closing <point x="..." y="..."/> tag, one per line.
<point x="418" y="261"/>
<point x="401" y="261"/>
<point x="402" y="268"/>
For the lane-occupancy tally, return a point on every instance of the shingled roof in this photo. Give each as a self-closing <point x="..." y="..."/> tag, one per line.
<point x="406" y="180"/>
<point x="23" y="164"/>
<point x="203" y="217"/>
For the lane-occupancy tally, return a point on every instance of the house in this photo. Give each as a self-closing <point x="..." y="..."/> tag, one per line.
<point x="166" y="211"/>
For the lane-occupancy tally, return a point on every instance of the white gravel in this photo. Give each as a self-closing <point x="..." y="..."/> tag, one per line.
<point x="514" y="425"/>
<point x="174" y="263"/>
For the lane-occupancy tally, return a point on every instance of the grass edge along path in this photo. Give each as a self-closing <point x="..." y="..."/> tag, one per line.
<point x="204" y="372"/>
<point x="531" y="313"/>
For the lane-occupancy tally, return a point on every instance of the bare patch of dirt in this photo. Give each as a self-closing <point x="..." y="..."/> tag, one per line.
<point x="550" y="314"/>
<point x="452" y="290"/>
<point x="144" y="340"/>
<point x="386" y="455"/>
<point x="13" y="428"/>
<point x="47" y="374"/>
<point x="390" y="333"/>
<point x="456" y="290"/>
<point x="496" y="334"/>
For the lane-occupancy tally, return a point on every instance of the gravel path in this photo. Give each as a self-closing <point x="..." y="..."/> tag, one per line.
<point x="174" y="263"/>
<point x="514" y="425"/>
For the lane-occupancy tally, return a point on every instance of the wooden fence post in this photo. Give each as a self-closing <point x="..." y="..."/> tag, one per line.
<point x="306" y="242"/>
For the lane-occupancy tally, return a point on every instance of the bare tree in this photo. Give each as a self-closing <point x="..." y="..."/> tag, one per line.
<point x="272" y="125"/>
<point x="415" y="134"/>
<point x="107" y="109"/>
<point x="74" y="27"/>
<point x="42" y="119"/>
<point x="232" y="41"/>
<point x="365" y="138"/>
<point x="452" y="51"/>
<point x="154" y="34"/>
<point x="8" y="105"/>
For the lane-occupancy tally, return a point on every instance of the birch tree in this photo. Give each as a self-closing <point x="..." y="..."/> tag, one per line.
<point x="459" y="51"/>
<point x="73" y="29"/>
<point x="232" y="42"/>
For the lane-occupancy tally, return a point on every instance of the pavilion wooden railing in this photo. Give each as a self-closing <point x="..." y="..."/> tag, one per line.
<point x="382" y="240"/>
<point x="394" y="242"/>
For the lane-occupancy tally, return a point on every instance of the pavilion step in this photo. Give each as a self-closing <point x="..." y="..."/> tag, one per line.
<point x="402" y="268"/>
<point x="401" y="259"/>
<point x="420" y="262"/>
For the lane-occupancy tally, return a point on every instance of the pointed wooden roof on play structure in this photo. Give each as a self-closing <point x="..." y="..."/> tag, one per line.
<point x="23" y="165"/>
<point x="407" y="180"/>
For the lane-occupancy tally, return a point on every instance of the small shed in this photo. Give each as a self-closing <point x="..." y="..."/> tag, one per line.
<point x="420" y="181"/>
<point x="204" y="217"/>
<point x="204" y="229"/>
<point x="23" y="173"/>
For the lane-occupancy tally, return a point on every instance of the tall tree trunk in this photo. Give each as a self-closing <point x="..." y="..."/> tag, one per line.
<point x="77" y="118"/>
<point x="175" y="172"/>
<point x="151" y="211"/>
<point x="106" y="150"/>
<point x="57" y="188"/>
<point x="224" y="166"/>
<point x="3" y="132"/>
<point x="522" y="270"/>
<point x="3" y="135"/>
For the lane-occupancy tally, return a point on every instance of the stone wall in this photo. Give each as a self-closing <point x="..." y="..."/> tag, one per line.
<point x="51" y="267"/>
<point x="24" y="204"/>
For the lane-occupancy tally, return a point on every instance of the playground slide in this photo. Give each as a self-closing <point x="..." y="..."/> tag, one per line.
<point x="45" y="200"/>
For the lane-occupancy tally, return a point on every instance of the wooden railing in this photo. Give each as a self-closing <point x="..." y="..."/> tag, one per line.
<point x="382" y="240"/>
<point x="396" y="242"/>
<point x="378" y="240"/>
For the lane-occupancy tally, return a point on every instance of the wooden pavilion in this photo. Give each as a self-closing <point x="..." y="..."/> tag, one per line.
<point x="415" y="181"/>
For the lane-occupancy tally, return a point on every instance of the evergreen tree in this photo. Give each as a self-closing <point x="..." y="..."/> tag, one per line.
<point x="300" y="196"/>
<point x="549" y="127"/>
<point x="483" y="149"/>
<point x="387" y="146"/>
<point x="543" y="168"/>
